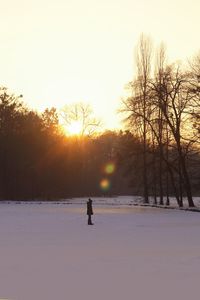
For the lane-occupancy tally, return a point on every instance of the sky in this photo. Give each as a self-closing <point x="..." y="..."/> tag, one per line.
<point x="56" y="52"/>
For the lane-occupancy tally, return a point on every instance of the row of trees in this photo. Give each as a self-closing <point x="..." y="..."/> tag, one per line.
<point x="163" y="111"/>
<point x="38" y="160"/>
<point x="158" y="156"/>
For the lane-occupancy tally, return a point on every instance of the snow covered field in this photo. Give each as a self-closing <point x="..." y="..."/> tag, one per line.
<point x="48" y="252"/>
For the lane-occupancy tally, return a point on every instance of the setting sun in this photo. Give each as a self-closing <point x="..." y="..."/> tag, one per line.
<point x="74" y="128"/>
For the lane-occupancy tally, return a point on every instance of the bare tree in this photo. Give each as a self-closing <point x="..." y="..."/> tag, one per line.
<point x="82" y="113"/>
<point x="175" y="104"/>
<point x="160" y="65"/>
<point x="194" y="68"/>
<point x="136" y="106"/>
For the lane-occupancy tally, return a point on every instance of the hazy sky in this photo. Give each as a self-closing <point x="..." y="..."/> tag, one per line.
<point x="56" y="52"/>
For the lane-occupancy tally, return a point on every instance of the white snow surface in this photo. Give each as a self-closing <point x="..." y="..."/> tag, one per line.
<point x="48" y="252"/>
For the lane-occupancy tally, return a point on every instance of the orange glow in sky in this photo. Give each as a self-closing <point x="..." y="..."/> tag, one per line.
<point x="57" y="52"/>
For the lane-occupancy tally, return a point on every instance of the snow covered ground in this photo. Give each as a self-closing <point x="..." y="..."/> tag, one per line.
<point x="48" y="252"/>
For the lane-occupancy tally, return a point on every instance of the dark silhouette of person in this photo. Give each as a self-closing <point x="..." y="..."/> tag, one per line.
<point x="89" y="211"/>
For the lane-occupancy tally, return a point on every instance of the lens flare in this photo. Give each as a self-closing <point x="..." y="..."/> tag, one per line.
<point x="105" y="184"/>
<point x="110" y="168"/>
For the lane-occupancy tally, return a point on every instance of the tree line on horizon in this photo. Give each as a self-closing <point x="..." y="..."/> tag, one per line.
<point x="39" y="161"/>
<point x="156" y="157"/>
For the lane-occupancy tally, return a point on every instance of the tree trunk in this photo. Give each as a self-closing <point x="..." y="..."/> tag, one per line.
<point x="154" y="173"/>
<point x="185" y="177"/>
<point x="180" y="185"/>
<point x="145" y="181"/>
<point x="160" y="175"/>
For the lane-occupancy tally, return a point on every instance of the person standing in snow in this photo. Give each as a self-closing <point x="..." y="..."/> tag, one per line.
<point x="89" y="211"/>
